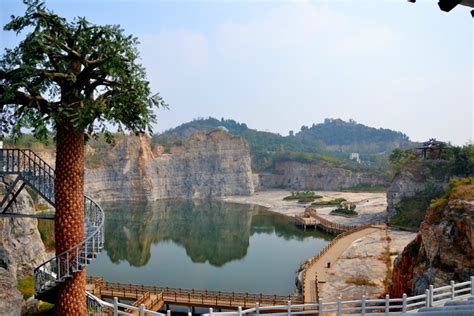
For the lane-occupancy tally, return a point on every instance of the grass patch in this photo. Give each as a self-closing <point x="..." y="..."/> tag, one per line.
<point x="344" y="212"/>
<point x="302" y="197"/>
<point x="26" y="286"/>
<point x="337" y="201"/>
<point x="360" y="281"/>
<point x="45" y="307"/>
<point x="46" y="230"/>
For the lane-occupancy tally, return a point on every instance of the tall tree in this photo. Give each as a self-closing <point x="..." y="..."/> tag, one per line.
<point x="78" y="79"/>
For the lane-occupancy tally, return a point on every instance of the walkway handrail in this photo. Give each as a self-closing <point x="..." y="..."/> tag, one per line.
<point x="39" y="175"/>
<point x="194" y="293"/>
<point x="310" y="262"/>
<point x="365" y="306"/>
<point x="385" y="306"/>
<point x="77" y="256"/>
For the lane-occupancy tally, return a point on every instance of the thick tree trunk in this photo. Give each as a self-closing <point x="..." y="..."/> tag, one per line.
<point x="69" y="222"/>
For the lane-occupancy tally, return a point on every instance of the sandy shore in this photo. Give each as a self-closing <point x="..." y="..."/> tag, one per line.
<point x="370" y="206"/>
<point x="364" y="259"/>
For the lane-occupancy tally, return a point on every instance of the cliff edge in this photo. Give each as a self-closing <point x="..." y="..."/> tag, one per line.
<point x="443" y="250"/>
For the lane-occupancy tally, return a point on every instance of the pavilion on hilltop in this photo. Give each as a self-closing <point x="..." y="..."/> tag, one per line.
<point x="432" y="149"/>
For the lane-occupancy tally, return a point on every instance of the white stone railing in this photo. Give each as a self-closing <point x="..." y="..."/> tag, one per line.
<point x="386" y="306"/>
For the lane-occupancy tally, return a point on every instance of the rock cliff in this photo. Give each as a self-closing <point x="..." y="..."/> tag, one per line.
<point x="21" y="250"/>
<point x="207" y="165"/>
<point x="417" y="177"/>
<point x="444" y="247"/>
<point x="317" y="176"/>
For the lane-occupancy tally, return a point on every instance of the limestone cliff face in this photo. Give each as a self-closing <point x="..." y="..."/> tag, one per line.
<point x="316" y="176"/>
<point x="208" y="165"/>
<point x="20" y="240"/>
<point x="415" y="178"/>
<point x="21" y="250"/>
<point x="443" y="249"/>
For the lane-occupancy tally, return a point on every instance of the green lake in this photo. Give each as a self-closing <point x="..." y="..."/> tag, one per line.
<point x="203" y="244"/>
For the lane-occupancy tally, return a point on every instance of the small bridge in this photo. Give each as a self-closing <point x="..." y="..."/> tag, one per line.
<point x="158" y="296"/>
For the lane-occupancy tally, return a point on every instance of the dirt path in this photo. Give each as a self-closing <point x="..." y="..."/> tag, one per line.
<point x="331" y="256"/>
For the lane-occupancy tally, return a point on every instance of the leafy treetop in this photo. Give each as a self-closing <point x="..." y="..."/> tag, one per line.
<point x="75" y="73"/>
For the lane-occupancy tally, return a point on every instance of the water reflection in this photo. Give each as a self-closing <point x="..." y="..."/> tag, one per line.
<point x="210" y="231"/>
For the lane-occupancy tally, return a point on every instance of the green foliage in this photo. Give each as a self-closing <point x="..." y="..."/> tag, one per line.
<point x="337" y="201"/>
<point x="77" y="74"/>
<point x="345" y="209"/>
<point x="46" y="230"/>
<point x="307" y="146"/>
<point x="411" y="210"/>
<point x="301" y="195"/>
<point x="344" y="212"/>
<point x="26" y="286"/>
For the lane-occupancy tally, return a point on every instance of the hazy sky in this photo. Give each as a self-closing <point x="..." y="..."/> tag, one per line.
<point x="278" y="65"/>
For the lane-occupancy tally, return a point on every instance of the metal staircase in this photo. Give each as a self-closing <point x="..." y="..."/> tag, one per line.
<point x="31" y="170"/>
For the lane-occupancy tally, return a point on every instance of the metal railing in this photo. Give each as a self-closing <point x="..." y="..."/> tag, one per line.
<point x="57" y="269"/>
<point x="35" y="172"/>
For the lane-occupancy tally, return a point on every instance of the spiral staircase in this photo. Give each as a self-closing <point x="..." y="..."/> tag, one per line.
<point x="33" y="171"/>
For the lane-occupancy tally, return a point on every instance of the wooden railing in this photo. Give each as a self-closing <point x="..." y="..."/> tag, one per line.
<point x="310" y="262"/>
<point x="191" y="297"/>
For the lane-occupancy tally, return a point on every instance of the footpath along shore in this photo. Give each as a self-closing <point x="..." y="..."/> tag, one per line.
<point x="360" y="257"/>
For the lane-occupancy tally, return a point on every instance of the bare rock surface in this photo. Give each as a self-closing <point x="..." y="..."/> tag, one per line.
<point x="444" y="247"/>
<point x="21" y="251"/>
<point x="20" y="240"/>
<point x="10" y="297"/>
<point x="207" y="165"/>
<point x="318" y="175"/>
<point x="364" y="261"/>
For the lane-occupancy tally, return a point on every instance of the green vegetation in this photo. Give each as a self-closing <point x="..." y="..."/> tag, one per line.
<point x="46" y="230"/>
<point x="331" y="142"/>
<point x="26" y="286"/>
<point x="337" y="201"/>
<point x="346" y="209"/>
<point x="411" y="211"/>
<point x="303" y="197"/>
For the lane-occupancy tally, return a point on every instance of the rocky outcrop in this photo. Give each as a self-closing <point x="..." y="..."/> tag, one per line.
<point x="20" y="240"/>
<point x="21" y="250"/>
<point x="417" y="177"/>
<point x="444" y="247"/>
<point x="10" y="297"/>
<point x="207" y="165"/>
<point x="317" y="176"/>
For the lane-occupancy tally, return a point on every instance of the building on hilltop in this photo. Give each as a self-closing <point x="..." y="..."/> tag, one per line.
<point x="355" y="157"/>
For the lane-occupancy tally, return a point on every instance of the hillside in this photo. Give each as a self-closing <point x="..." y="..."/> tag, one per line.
<point x="333" y="141"/>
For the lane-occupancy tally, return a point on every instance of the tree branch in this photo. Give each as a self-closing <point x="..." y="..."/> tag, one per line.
<point x="25" y="100"/>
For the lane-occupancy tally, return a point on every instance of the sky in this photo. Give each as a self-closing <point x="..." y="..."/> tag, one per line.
<point x="278" y="65"/>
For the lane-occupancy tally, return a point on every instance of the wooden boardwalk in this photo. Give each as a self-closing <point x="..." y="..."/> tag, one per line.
<point x="312" y="219"/>
<point x="317" y="268"/>
<point x="185" y="297"/>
